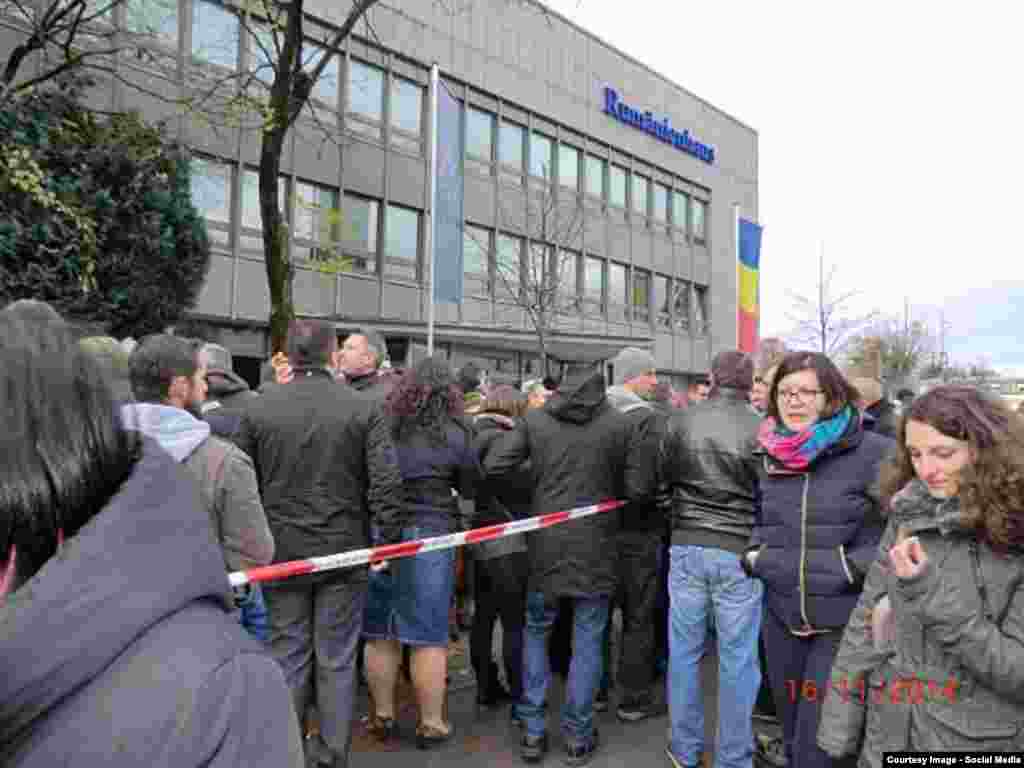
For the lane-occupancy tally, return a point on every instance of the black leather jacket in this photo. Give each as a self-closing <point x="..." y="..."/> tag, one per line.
<point x="708" y="464"/>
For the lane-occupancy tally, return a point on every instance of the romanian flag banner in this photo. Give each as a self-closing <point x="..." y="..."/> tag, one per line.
<point x="748" y="249"/>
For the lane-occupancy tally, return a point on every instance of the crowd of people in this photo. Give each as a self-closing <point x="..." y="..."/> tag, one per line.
<point x="854" y="566"/>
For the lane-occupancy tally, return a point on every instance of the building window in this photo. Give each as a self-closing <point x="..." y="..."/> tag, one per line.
<point x="595" y="176"/>
<point x="215" y="34"/>
<point x="680" y="210"/>
<point x="617" y="186"/>
<point x="406" y="113"/>
<point x="508" y="265"/>
<point x="157" y="19"/>
<point x="541" y="156"/>
<point x="365" y="98"/>
<point x="681" y="304"/>
<point x="662" y="300"/>
<point x="251" y="237"/>
<point x="211" y="195"/>
<point x="476" y="250"/>
<point x="360" y="223"/>
<point x="593" y="287"/>
<point x="325" y="89"/>
<point x="699" y="219"/>
<point x="701" y="318"/>
<point x="401" y="259"/>
<point x="661" y="203"/>
<point x="316" y="222"/>
<point x="568" y="282"/>
<point x="618" y="296"/>
<point x="641" y="189"/>
<point x="511" y="155"/>
<point x="569" y="167"/>
<point x="480" y="135"/>
<point x="641" y="295"/>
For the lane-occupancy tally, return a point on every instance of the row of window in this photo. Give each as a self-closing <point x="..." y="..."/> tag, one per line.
<point x="515" y="151"/>
<point x="379" y="101"/>
<point x="323" y="225"/>
<point x="349" y="231"/>
<point x="499" y="264"/>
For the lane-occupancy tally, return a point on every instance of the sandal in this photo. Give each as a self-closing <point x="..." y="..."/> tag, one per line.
<point x="428" y="737"/>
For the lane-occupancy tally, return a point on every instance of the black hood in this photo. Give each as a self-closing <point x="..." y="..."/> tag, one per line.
<point x="145" y="556"/>
<point x="225" y="384"/>
<point x="581" y="404"/>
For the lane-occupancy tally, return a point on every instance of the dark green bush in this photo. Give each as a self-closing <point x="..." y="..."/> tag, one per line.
<point x="96" y="215"/>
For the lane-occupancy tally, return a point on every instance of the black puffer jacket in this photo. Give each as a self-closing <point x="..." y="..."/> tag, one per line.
<point x="581" y="453"/>
<point x="819" y="531"/>
<point x="326" y="464"/>
<point x="709" y="466"/>
<point x="959" y="632"/>
<point x="883" y="419"/>
<point x="647" y="426"/>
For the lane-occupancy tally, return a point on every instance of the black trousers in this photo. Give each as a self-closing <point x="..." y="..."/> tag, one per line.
<point x="500" y="593"/>
<point x="800" y="669"/>
<point x="640" y="554"/>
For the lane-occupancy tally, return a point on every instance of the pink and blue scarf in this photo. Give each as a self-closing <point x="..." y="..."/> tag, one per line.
<point x="798" y="450"/>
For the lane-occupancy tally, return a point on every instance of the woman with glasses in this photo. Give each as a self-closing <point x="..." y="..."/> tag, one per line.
<point x="817" y="535"/>
<point x="933" y="657"/>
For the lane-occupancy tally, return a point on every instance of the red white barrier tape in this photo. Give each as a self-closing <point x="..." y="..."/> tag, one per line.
<point x="412" y="548"/>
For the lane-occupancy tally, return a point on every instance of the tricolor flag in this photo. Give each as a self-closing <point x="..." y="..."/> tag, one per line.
<point x="748" y="253"/>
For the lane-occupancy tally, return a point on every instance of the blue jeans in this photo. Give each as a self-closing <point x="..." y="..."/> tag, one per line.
<point x="705" y="582"/>
<point x="590" y="616"/>
<point x="253" y="612"/>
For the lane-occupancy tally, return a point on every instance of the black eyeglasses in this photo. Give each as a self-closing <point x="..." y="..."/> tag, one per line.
<point x="802" y="394"/>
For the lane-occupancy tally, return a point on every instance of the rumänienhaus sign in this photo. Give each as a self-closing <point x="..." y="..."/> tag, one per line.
<point x="662" y="129"/>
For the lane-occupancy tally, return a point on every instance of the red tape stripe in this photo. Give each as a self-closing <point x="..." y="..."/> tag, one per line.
<point x="484" y="534"/>
<point x="553" y="519"/>
<point x="405" y="549"/>
<point x="281" y="570"/>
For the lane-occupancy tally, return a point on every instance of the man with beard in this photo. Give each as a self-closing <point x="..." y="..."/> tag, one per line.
<point x="168" y="375"/>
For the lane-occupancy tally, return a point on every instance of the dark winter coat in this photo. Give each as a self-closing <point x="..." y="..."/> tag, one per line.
<point x="709" y="465"/>
<point x="511" y="496"/>
<point x="819" y="531"/>
<point x="326" y="464"/>
<point x="431" y="470"/>
<point x="647" y="426"/>
<point x="959" y="630"/>
<point x="120" y="651"/>
<point x="581" y="454"/>
<point x="226" y="401"/>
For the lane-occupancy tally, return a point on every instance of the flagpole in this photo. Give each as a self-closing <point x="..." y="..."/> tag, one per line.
<point x="739" y="274"/>
<point x="434" y="127"/>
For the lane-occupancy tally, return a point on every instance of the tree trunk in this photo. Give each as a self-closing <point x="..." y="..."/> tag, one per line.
<point x="275" y="241"/>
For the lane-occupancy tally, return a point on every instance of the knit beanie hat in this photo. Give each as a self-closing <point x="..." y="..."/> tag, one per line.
<point x="733" y="369"/>
<point x="630" y="363"/>
<point x="769" y="354"/>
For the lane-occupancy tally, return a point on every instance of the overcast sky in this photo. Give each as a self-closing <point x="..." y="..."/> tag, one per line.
<point x="891" y="134"/>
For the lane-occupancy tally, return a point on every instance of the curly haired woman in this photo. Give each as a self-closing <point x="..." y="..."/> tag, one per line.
<point x="933" y="656"/>
<point x="408" y="600"/>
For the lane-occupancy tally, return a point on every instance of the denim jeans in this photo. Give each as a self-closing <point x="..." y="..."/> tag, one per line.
<point x="253" y="611"/>
<point x="590" y="616"/>
<point x="705" y="582"/>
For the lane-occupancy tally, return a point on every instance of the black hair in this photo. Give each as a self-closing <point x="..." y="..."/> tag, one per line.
<point x="311" y="343"/>
<point x="838" y="391"/>
<point x="63" y="451"/>
<point x="157" y="361"/>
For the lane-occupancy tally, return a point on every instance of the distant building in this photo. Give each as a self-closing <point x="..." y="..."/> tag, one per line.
<point x="548" y="105"/>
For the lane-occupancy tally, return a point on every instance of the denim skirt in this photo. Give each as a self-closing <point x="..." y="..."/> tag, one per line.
<point x="411" y="600"/>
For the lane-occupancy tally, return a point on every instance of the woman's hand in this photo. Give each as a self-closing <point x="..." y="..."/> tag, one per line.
<point x="908" y="558"/>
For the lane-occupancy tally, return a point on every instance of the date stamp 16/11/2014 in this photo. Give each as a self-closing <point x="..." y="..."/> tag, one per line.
<point x="903" y="690"/>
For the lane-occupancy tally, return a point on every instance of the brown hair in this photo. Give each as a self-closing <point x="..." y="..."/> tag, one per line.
<point x="838" y="391"/>
<point x="992" y="485"/>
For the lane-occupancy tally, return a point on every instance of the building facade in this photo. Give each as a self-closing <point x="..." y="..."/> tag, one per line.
<point x="556" y="123"/>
